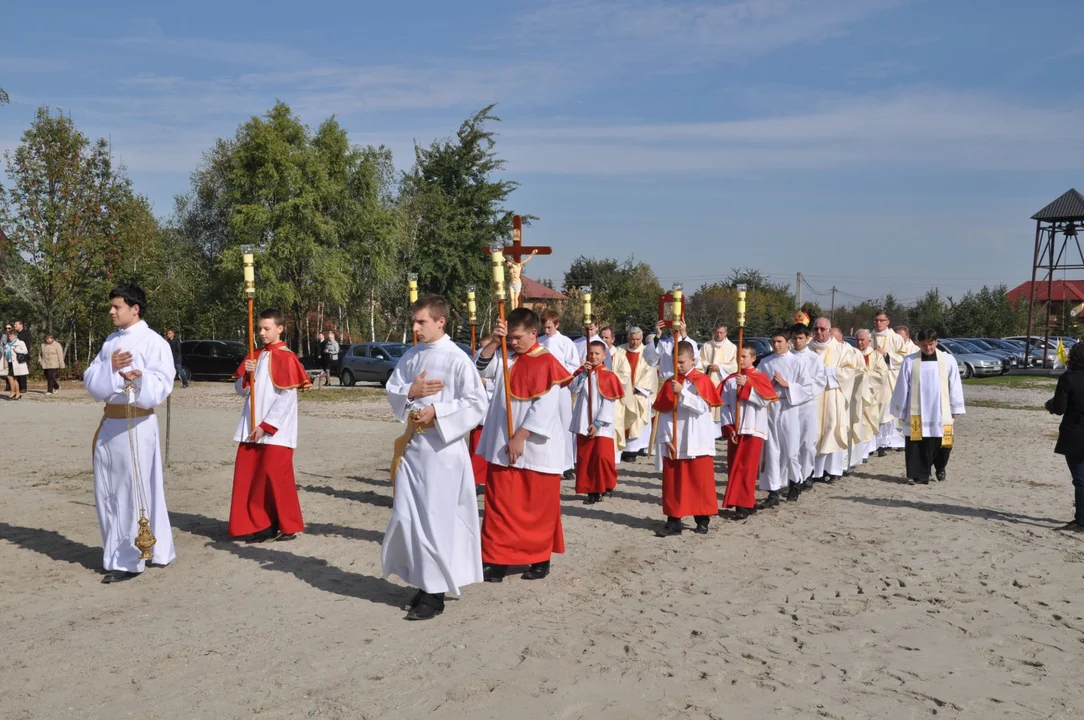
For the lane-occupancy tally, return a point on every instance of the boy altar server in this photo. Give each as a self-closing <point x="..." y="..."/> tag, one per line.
<point x="132" y="375"/>
<point x="745" y="440"/>
<point x="433" y="541"/>
<point x="688" y="467"/>
<point x="522" y="524"/>
<point x="600" y="390"/>
<point x="265" y="503"/>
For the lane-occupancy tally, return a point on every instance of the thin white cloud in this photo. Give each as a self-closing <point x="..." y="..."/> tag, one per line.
<point x="924" y="129"/>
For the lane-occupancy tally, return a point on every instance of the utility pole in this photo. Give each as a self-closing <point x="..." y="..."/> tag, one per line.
<point x="832" y="312"/>
<point x="798" y="291"/>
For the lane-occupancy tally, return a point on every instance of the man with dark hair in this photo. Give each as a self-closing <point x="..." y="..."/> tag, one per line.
<point x="522" y="524"/>
<point x="178" y="363"/>
<point x="794" y="386"/>
<point x="816" y="380"/>
<point x="432" y="541"/>
<point x="132" y="375"/>
<point x="687" y="453"/>
<point x="927" y="398"/>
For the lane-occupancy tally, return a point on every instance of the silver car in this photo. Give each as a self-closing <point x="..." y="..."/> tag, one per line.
<point x="369" y="362"/>
<point x="971" y="364"/>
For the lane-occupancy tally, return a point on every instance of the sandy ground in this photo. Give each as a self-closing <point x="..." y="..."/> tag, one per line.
<point x="868" y="599"/>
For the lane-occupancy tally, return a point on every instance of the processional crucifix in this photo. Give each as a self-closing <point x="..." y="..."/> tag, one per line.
<point x="516" y="261"/>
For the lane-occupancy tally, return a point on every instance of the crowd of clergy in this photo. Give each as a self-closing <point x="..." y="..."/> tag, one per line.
<point x="530" y="408"/>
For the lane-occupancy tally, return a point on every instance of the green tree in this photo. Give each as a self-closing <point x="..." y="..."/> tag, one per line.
<point x="623" y="293"/>
<point x="930" y="312"/>
<point x="3" y="97"/>
<point x="61" y="214"/>
<point x="452" y="208"/>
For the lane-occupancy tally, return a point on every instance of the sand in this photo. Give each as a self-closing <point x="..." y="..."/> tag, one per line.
<point x="867" y="599"/>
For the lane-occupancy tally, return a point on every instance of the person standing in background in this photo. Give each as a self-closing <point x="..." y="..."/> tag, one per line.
<point x="332" y="351"/>
<point x="18" y="361"/>
<point x="178" y="362"/>
<point x="1068" y="401"/>
<point x="51" y="359"/>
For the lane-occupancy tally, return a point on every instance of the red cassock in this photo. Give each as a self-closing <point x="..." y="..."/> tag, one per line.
<point x="596" y="459"/>
<point x="477" y="462"/>
<point x="522" y="522"/>
<point x="743" y="452"/>
<point x="688" y="486"/>
<point x="264" y="488"/>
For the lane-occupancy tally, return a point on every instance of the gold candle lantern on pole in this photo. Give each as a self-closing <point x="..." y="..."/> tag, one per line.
<point x="472" y="315"/>
<point x="675" y="319"/>
<point x="248" y="260"/>
<point x="412" y="293"/>
<point x="586" y="289"/>
<point x="496" y="256"/>
<point x="741" y="288"/>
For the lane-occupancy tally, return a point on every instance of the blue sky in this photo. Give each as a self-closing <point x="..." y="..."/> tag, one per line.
<point x="877" y="145"/>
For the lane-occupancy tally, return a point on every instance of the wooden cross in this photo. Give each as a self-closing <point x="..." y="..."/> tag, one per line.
<point x="517" y="249"/>
<point x="516" y="252"/>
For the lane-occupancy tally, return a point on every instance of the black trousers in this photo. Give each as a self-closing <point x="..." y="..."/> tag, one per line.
<point x="50" y="379"/>
<point x="922" y="455"/>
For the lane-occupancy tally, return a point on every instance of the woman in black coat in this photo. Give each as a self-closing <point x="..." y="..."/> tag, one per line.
<point x="1068" y="401"/>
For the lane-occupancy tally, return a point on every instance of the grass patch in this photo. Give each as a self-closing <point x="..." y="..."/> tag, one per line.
<point x="343" y="394"/>
<point x="1018" y="381"/>
<point x="998" y="405"/>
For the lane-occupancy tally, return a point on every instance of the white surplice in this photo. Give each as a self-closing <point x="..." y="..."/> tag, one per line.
<point x="602" y="410"/>
<point x="781" y="464"/>
<point x="754" y="412"/>
<point x="696" y="428"/>
<point x="565" y="350"/>
<point x="662" y="357"/>
<point x="539" y="415"/>
<point x="115" y="494"/>
<point x="277" y="408"/>
<point x="433" y="541"/>
<point x="814" y="381"/>
<point x="929" y="399"/>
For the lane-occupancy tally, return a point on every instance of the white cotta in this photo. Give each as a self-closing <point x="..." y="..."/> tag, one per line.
<point x="115" y="494"/>
<point x="602" y="408"/>
<point x="930" y="399"/>
<point x="562" y="348"/>
<point x="814" y="380"/>
<point x="541" y="416"/>
<point x="662" y="357"/>
<point x="781" y="464"/>
<point x="754" y="411"/>
<point x="696" y="429"/>
<point x="277" y="408"/>
<point x="433" y="540"/>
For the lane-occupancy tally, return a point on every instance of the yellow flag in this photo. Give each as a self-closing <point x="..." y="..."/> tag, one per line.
<point x="1062" y="355"/>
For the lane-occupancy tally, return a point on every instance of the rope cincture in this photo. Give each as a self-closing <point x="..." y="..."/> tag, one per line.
<point x="144" y="541"/>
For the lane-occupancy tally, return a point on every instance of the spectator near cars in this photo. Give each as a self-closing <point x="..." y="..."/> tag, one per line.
<point x="178" y="364"/>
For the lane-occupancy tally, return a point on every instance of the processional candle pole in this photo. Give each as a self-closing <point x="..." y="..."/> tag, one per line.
<point x="741" y="288"/>
<point x="675" y="315"/>
<point x="249" y="262"/>
<point x="472" y="314"/>
<point x="412" y="285"/>
<point x="586" y="289"/>
<point x="496" y="256"/>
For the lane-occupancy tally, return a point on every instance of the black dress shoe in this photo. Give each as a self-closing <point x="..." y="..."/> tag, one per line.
<point x="568" y="475"/>
<point x="881" y="452"/>
<point x="609" y="493"/>
<point x="591" y="499"/>
<point x="941" y="475"/>
<point x="670" y="529"/>
<point x="537" y="571"/>
<point x="1073" y="526"/>
<point x="115" y="576"/>
<point x="923" y="481"/>
<point x="264" y="535"/>
<point x="794" y="492"/>
<point x="414" y="600"/>
<point x="428" y="607"/>
<point x="771" y="501"/>
<point x="286" y="537"/>
<point x="494" y="573"/>
<point x="808" y="484"/>
<point x="741" y="513"/>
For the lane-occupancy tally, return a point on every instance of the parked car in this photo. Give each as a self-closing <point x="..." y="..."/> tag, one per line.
<point x="1022" y="358"/>
<point x="1005" y="358"/>
<point x="370" y="362"/>
<point x="1036" y="354"/>
<point x="764" y="347"/>
<point x="212" y="358"/>
<point x="974" y="364"/>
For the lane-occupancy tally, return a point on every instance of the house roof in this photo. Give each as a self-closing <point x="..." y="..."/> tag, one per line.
<point x="1060" y="290"/>
<point x="534" y="290"/>
<point x="1069" y="206"/>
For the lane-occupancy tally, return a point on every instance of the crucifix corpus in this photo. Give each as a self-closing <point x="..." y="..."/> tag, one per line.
<point x="514" y="253"/>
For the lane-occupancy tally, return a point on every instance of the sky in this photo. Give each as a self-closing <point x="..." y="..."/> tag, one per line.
<point x="873" y="145"/>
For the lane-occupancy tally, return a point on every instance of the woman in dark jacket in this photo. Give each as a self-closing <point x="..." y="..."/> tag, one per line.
<point x="1068" y="401"/>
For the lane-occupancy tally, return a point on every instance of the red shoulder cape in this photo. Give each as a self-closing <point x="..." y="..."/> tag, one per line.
<point x="757" y="380"/>
<point x="704" y="387"/>
<point x="285" y="369"/>
<point x="535" y="373"/>
<point x="609" y="386"/>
